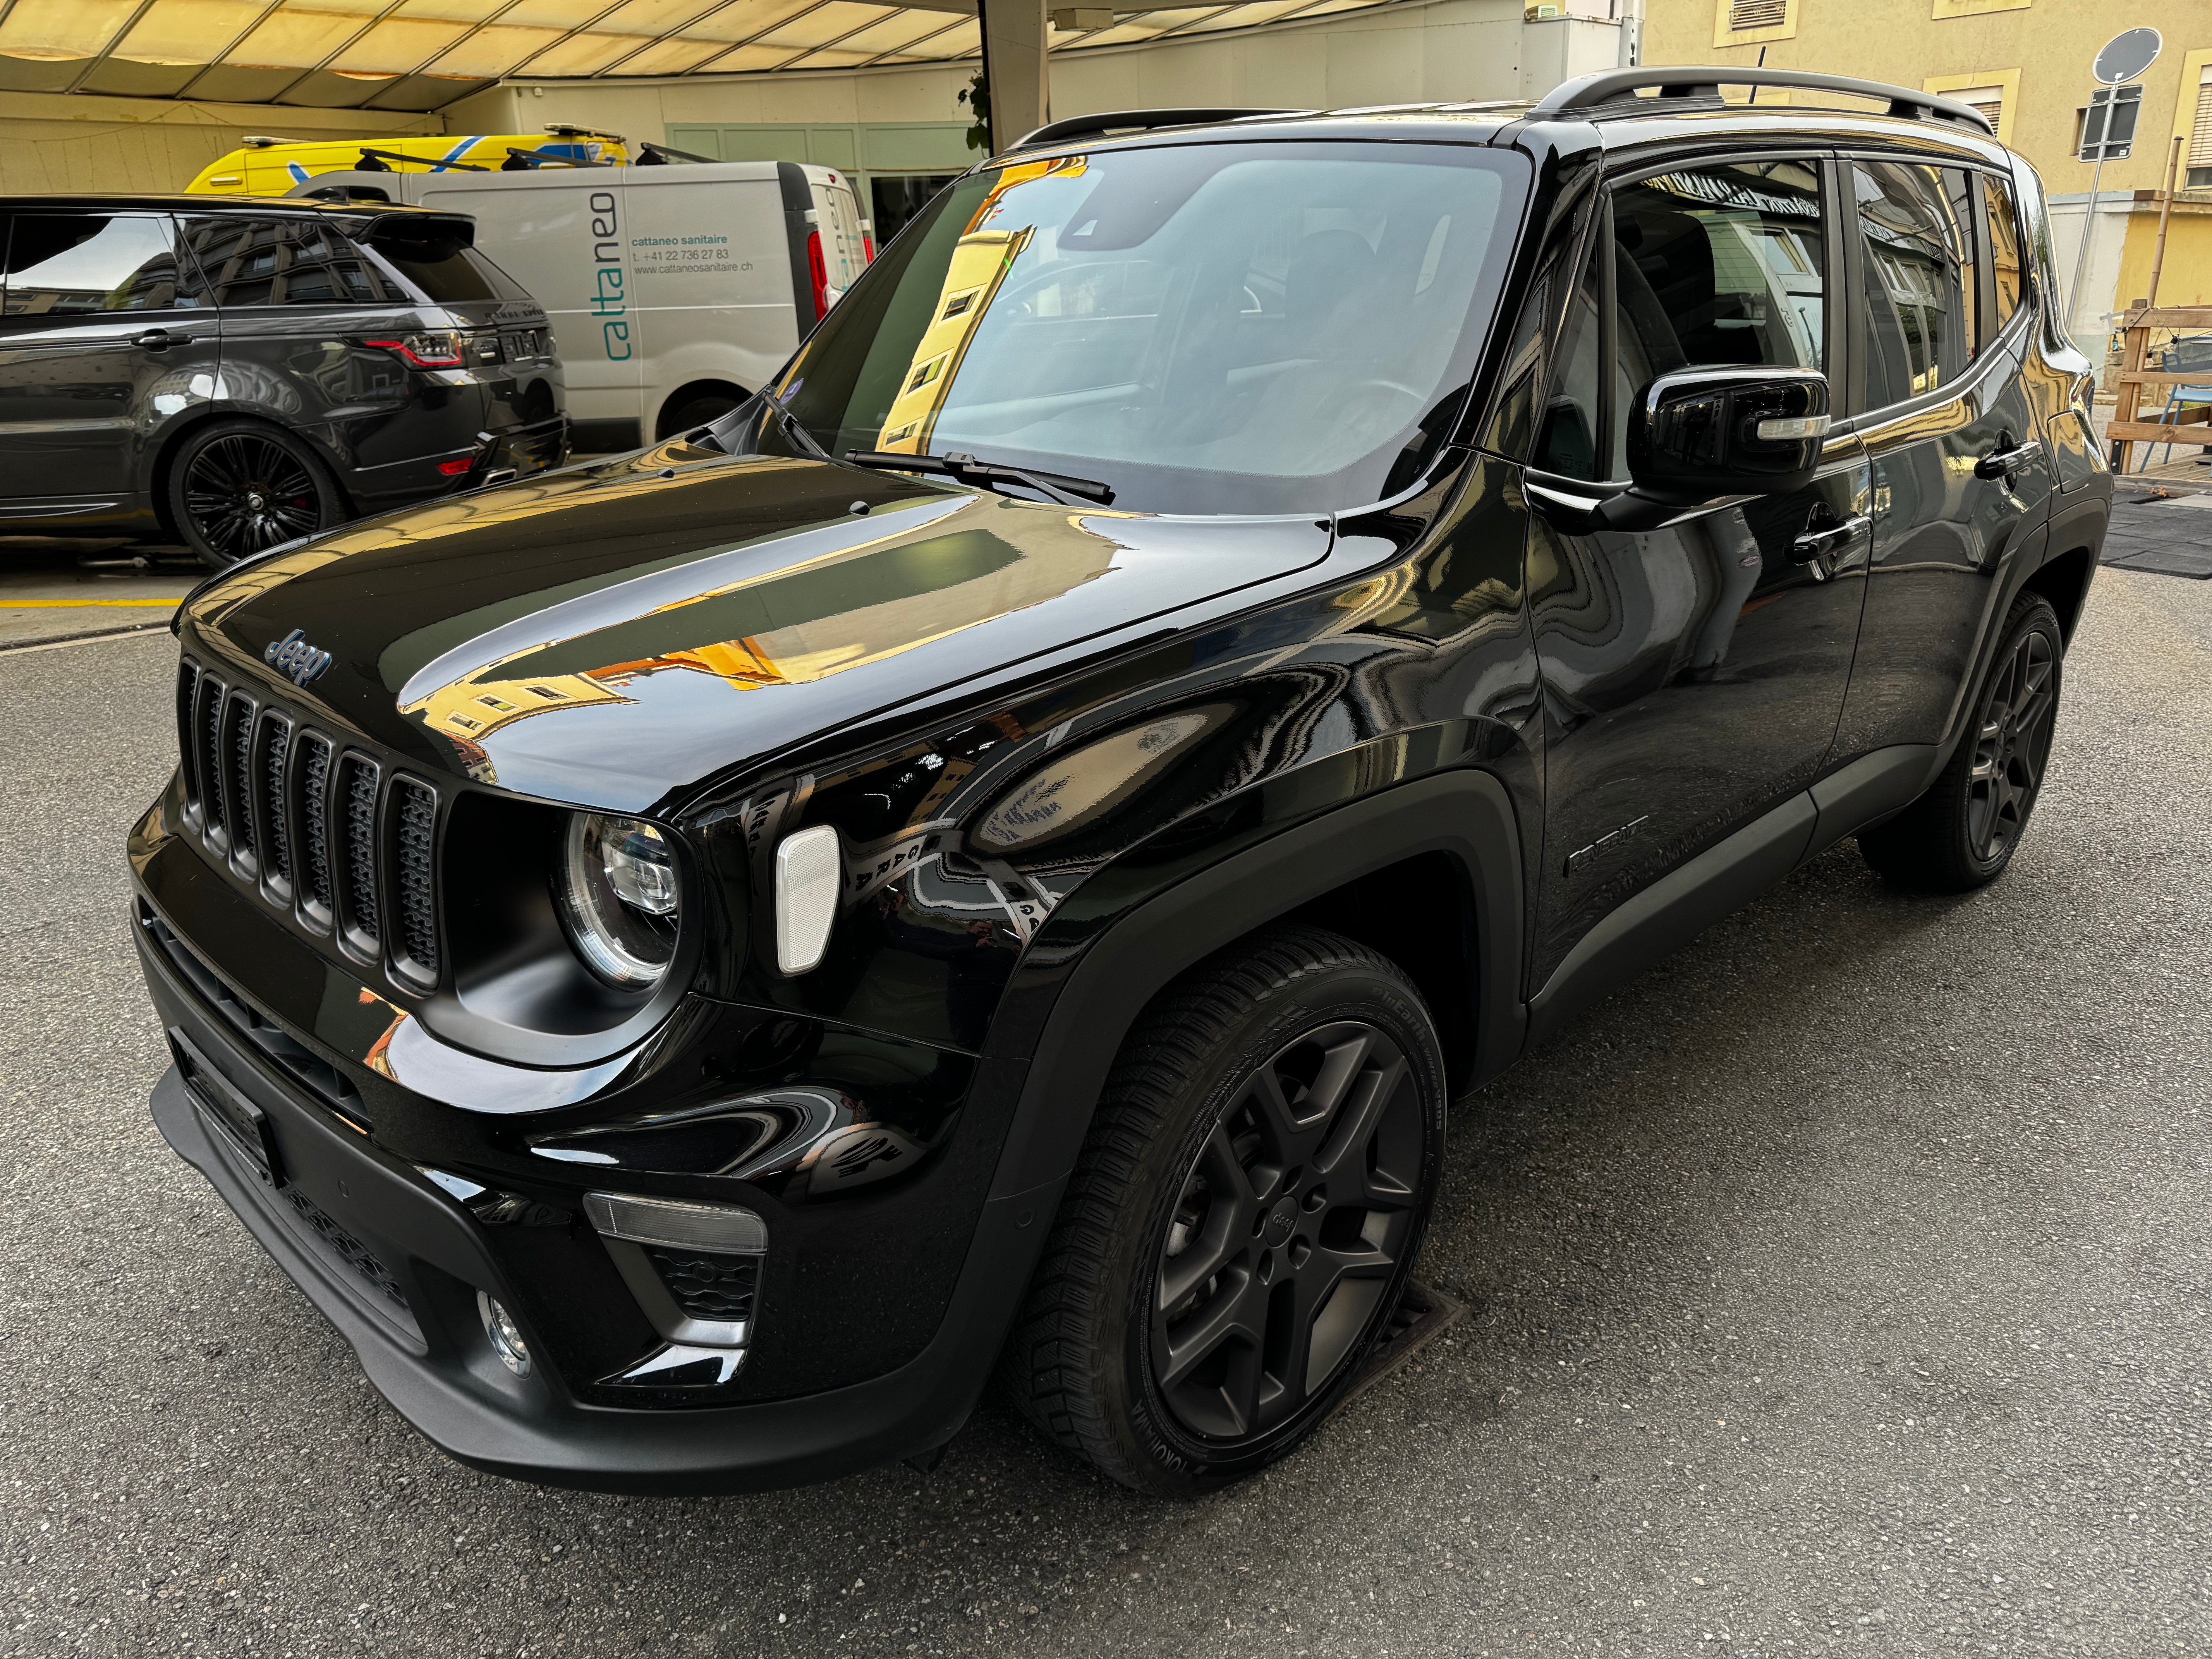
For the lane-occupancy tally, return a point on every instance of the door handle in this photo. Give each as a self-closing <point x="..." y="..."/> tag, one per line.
<point x="2003" y="463"/>
<point x="1816" y="545"/>
<point x="154" y="339"/>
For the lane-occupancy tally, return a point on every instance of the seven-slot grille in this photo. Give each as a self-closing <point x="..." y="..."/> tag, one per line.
<point x="297" y="812"/>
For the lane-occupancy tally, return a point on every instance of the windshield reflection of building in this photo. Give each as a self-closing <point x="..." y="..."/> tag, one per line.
<point x="981" y="260"/>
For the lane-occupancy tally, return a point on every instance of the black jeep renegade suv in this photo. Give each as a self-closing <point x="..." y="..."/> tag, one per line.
<point x="995" y="856"/>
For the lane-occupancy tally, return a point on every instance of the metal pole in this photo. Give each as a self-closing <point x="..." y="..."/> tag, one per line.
<point x="2089" y="215"/>
<point x="2164" y="207"/>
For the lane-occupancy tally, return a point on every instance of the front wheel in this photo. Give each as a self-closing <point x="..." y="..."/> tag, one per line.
<point x="1244" y="1216"/>
<point x="239" y="488"/>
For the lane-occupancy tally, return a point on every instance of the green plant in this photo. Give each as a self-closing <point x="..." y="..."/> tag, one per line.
<point x="977" y="97"/>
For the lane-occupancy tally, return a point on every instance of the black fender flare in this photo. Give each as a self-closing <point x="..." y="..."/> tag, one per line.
<point x="1066" y="1014"/>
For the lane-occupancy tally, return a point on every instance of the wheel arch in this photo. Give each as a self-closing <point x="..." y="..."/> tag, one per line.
<point x="2064" y="579"/>
<point x="173" y="439"/>
<point x="682" y="394"/>
<point x="1370" y="869"/>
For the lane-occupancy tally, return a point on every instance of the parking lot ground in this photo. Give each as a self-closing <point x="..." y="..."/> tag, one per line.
<point x="53" y="588"/>
<point x="2169" y="536"/>
<point x="1843" y="1284"/>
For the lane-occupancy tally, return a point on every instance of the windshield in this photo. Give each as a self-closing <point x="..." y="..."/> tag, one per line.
<point x="1208" y="328"/>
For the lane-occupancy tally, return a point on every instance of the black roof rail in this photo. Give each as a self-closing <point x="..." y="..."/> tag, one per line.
<point x="1612" y="92"/>
<point x="1135" y="120"/>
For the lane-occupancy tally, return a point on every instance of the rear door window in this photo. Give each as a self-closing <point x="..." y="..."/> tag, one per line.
<point x="64" y="265"/>
<point x="282" y="262"/>
<point x="1916" y="249"/>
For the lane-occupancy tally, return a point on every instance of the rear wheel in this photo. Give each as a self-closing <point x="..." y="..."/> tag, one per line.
<point x="1247" y="1210"/>
<point x="1962" y="833"/>
<point x="238" y="488"/>
<point x="696" y="406"/>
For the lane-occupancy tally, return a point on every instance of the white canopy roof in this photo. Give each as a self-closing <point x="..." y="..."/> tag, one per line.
<point x="422" y="54"/>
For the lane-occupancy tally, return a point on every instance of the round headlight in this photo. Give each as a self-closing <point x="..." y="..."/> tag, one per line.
<point x="617" y="888"/>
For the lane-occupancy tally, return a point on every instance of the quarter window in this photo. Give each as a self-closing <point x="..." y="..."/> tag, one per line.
<point x="2005" y="259"/>
<point x="77" y="264"/>
<point x="1916" y="251"/>
<point x="1721" y="265"/>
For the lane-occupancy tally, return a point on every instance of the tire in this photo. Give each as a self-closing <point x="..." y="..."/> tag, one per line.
<point x="1964" y="830"/>
<point x="694" y="411"/>
<point x="1177" y="1372"/>
<point x="237" y="488"/>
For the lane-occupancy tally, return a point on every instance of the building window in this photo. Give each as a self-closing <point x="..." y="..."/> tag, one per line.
<point x="1751" y="22"/>
<point x="2200" y="135"/>
<point x="1990" y="101"/>
<point x="2107" y="120"/>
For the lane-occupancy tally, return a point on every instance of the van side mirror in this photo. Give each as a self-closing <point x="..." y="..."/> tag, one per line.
<point x="1698" y="435"/>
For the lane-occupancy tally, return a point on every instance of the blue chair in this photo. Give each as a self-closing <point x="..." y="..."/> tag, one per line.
<point x="2182" y="357"/>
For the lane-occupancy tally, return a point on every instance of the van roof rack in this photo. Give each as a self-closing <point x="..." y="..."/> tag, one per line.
<point x="1612" y="94"/>
<point x="1136" y="120"/>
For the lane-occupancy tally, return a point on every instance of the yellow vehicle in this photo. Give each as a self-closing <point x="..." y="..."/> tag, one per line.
<point x="275" y="166"/>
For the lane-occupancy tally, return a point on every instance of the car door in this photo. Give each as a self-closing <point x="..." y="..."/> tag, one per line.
<point x="1960" y="474"/>
<point x="1693" y="674"/>
<point x="106" y="338"/>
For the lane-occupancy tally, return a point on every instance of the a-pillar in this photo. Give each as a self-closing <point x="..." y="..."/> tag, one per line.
<point x="1014" y="62"/>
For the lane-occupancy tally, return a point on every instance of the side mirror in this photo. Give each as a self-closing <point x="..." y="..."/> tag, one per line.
<point x="1700" y="433"/>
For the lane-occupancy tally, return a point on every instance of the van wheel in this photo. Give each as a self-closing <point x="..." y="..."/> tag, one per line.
<point x="238" y="488"/>
<point x="1245" y="1213"/>
<point x="1962" y="833"/>
<point x="695" y="408"/>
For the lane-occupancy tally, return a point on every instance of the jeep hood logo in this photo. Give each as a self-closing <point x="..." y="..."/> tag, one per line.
<point x="296" y="659"/>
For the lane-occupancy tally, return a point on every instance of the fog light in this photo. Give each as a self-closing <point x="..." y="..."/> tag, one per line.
<point x="504" y="1335"/>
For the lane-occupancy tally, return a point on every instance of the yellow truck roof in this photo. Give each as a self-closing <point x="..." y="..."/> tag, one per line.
<point x="275" y="169"/>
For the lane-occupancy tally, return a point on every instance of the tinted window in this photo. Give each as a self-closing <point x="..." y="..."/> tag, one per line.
<point x="281" y="262"/>
<point x="1720" y="264"/>
<point x="446" y="273"/>
<point x="66" y="264"/>
<point x="1916" y="263"/>
<point x="2005" y="258"/>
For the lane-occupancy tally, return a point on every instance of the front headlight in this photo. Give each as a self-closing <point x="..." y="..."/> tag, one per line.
<point x="619" y="898"/>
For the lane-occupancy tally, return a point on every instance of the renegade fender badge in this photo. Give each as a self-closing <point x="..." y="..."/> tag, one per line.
<point x="296" y="659"/>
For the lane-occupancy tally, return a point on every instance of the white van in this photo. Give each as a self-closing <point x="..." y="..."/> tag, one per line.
<point x="674" y="290"/>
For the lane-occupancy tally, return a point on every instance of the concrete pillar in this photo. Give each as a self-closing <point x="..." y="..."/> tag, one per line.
<point x="1014" y="61"/>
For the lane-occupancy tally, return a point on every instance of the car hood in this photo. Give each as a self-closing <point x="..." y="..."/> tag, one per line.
<point x="615" y="635"/>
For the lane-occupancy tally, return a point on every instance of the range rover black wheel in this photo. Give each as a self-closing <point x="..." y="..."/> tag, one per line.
<point x="1962" y="833"/>
<point x="1246" y="1211"/>
<point x="239" y="488"/>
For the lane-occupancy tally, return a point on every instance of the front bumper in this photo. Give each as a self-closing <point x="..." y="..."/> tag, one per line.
<point x="396" y="1266"/>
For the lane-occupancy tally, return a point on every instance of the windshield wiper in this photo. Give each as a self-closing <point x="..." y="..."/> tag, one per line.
<point x="791" y="424"/>
<point x="966" y="469"/>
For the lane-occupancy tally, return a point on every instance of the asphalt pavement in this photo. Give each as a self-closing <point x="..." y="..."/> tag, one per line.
<point x="1842" y="1284"/>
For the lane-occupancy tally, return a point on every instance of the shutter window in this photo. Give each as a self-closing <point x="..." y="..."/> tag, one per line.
<point x="1990" y="101"/>
<point x="1757" y="14"/>
<point x="2200" y="136"/>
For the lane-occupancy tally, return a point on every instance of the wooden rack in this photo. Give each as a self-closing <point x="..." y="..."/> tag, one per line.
<point x="2191" y="423"/>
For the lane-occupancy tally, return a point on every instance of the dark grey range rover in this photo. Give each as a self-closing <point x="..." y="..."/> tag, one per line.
<point x="995" y="857"/>
<point x="237" y="373"/>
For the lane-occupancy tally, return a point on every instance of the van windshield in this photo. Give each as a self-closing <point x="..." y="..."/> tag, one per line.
<point x="1209" y="328"/>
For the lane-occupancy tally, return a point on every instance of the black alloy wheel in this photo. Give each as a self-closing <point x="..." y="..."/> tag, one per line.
<point x="1964" y="830"/>
<point x="238" y="488"/>
<point x="1290" y="1227"/>
<point x="2011" y="745"/>
<point x="1247" y="1209"/>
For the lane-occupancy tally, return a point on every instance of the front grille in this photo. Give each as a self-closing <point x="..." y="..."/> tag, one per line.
<point x="237" y="740"/>
<point x="348" y="1248"/>
<point x="314" y="799"/>
<point x="418" y="816"/>
<point x="335" y="837"/>
<point x="714" y="1287"/>
<point x="276" y="746"/>
<point x="353" y="825"/>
